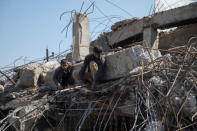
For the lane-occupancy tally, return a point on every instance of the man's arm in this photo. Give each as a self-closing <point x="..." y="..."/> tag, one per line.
<point x="71" y="80"/>
<point x="55" y="78"/>
<point x="83" y="68"/>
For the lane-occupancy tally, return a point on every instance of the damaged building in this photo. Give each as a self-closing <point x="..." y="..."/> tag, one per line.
<point x="150" y="80"/>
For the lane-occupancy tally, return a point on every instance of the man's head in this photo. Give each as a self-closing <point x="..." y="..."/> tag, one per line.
<point x="64" y="64"/>
<point x="97" y="52"/>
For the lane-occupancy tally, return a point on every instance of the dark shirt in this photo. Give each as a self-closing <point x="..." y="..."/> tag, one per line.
<point x="86" y="63"/>
<point x="63" y="77"/>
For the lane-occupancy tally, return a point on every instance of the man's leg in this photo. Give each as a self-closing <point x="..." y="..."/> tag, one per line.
<point x="76" y="77"/>
<point x="70" y="82"/>
<point x="93" y="69"/>
<point x="96" y="74"/>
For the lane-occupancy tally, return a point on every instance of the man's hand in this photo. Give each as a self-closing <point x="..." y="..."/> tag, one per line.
<point x="65" y="87"/>
<point x="59" y="87"/>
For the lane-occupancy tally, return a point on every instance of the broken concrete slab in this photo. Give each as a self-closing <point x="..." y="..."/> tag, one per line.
<point x="121" y="63"/>
<point x="33" y="74"/>
<point x="126" y="32"/>
<point x="170" y="18"/>
<point x="28" y="75"/>
<point x="178" y="37"/>
<point x="120" y="24"/>
<point x="48" y="70"/>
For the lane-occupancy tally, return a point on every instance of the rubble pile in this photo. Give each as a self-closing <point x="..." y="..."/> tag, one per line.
<point x="156" y="95"/>
<point x="33" y="75"/>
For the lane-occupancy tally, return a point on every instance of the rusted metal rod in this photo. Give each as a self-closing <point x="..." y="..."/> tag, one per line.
<point x="8" y="78"/>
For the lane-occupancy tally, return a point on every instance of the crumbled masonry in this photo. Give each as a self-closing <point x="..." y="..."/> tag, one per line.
<point x="157" y="95"/>
<point x="150" y="81"/>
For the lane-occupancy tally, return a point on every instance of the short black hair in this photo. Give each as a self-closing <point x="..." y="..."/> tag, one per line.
<point x="97" y="50"/>
<point x="63" y="61"/>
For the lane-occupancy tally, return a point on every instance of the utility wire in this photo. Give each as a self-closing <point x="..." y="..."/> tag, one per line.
<point x="119" y="8"/>
<point x="101" y="11"/>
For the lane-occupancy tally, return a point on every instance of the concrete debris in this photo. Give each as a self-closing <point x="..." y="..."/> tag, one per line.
<point x="13" y="95"/>
<point x="154" y="126"/>
<point x="177" y="101"/>
<point x="33" y="74"/>
<point x="156" y="80"/>
<point x="177" y="37"/>
<point x="136" y="70"/>
<point x="29" y="75"/>
<point x="25" y="123"/>
<point x="48" y="70"/>
<point x="138" y="97"/>
<point x="142" y="90"/>
<point x="23" y="117"/>
<point x="123" y="23"/>
<point x="116" y="66"/>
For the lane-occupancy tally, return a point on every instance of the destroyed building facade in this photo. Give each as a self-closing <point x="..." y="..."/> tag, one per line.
<point x="144" y="90"/>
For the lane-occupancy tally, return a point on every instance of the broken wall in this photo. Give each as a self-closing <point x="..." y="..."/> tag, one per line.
<point x="177" y="37"/>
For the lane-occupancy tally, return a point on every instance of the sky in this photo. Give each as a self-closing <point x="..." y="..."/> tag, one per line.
<point x="28" y="27"/>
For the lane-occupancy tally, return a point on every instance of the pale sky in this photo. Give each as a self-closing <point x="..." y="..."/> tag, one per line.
<point x="27" y="27"/>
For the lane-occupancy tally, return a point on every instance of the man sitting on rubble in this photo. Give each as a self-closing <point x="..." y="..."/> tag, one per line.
<point x="95" y="64"/>
<point x="63" y="75"/>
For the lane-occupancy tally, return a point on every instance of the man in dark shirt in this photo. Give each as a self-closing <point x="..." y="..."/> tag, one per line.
<point x="95" y="65"/>
<point x="63" y="75"/>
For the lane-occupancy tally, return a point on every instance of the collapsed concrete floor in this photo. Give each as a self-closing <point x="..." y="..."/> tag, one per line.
<point x="143" y="89"/>
<point x="155" y="95"/>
